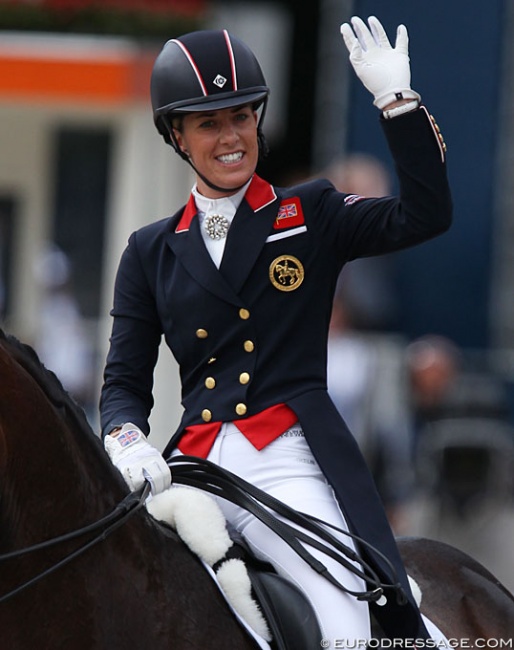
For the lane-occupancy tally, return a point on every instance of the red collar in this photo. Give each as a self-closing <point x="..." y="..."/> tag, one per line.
<point x="258" y="195"/>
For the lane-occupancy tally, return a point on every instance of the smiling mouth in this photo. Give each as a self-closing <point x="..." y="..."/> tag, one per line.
<point x="230" y="158"/>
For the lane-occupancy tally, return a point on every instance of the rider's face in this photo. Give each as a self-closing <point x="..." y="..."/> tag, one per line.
<point x="222" y="146"/>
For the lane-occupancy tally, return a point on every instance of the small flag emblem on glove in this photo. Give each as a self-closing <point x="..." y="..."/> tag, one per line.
<point x="126" y="438"/>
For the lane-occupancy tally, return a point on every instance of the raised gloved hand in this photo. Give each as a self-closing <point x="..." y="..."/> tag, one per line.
<point x="384" y="70"/>
<point x="137" y="460"/>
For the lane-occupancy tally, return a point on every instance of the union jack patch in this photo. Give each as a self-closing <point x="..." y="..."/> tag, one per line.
<point x="126" y="438"/>
<point x="289" y="215"/>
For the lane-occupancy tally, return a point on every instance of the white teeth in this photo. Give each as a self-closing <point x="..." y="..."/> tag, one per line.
<point x="231" y="157"/>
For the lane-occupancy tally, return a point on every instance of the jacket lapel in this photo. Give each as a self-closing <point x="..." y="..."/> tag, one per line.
<point x="251" y="226"/>
<point x="187" y="243"/>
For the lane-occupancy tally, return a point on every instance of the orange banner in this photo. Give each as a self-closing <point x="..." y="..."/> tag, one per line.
<point x="100" y="79"/>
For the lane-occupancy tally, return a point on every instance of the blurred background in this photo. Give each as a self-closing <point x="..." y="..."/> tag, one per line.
<point x="421" y="359"/>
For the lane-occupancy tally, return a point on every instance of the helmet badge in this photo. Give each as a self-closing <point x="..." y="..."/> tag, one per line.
<point x="219" y="81"/>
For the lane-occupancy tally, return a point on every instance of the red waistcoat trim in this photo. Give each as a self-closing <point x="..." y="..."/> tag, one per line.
<point x="259" y="429"/>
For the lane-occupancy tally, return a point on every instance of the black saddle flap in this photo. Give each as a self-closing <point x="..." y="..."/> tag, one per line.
<point x="289" y="614"/>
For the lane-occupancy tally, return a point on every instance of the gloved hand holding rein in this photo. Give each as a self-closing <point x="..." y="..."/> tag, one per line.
<point x="136" y="459"/>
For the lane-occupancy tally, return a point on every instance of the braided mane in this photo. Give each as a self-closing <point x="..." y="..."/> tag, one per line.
<point x="48" y="381"/>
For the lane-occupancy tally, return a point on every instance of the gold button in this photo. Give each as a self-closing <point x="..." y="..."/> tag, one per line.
<point x="241" y="409"/>
<point x="206" y="415"/>
<point x="244" y="378"/>
<point x="249" y="346"/>
<point x="244" y="314"/>
<point x="210" y="382"/>
<point x="201" y="333"/>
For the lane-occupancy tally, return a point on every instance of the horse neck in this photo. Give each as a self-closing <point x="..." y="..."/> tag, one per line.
<point x="53" y="489"/>
<point x="52" y="478"/>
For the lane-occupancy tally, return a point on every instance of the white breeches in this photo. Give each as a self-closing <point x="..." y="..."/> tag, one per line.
<point x="287" y="470"/>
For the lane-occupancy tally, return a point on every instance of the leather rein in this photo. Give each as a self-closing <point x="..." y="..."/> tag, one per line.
<point x="205" y="475"/>
<point x="105" y="526"/>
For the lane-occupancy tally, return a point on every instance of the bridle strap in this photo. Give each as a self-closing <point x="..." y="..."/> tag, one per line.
<point x="133" y="502"/>
<point x="207" y="476"/>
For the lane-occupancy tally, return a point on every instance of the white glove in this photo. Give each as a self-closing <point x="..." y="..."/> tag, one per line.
<point x="137" y="460"/>
<point x="384" y="71"/>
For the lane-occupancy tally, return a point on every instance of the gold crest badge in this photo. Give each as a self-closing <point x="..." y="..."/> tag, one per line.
<point x="286" y="273"/>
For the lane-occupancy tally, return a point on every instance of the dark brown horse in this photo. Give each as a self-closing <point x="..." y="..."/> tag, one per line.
<point x="139" y="587"/>
<point x="459" y="595"/>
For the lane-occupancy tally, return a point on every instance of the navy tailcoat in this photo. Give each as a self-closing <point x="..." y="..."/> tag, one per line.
<point x="266" y="313"/>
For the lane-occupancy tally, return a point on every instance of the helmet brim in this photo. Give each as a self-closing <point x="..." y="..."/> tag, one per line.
<point x="215" y="103"/>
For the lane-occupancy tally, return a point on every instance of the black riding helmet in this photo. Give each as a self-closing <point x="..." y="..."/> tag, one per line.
<point x="205" y="70"/>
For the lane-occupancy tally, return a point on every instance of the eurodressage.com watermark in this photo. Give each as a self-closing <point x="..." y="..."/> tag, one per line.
<point x="461" y="644"/>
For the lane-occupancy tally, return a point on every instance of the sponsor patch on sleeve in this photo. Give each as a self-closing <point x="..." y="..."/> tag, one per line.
<point x="350" y="199"/>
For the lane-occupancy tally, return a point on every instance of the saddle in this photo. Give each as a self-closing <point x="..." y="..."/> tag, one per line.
<point x="289" y="620"/>
<point x="290" y="616"/>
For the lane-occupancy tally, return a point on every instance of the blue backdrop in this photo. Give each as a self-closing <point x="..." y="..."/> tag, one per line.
<point x="455" y="50"/>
